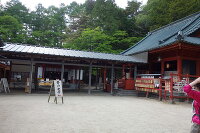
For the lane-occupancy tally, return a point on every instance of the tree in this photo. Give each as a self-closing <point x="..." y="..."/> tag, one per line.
<point x="92" y="40"/>
<point x="10" y="29"/>
<point x="121" y="41"/>
<point x="180" y="8"/>
<point x="132" y="8"/>
<point x="16" y="9"/>
<point x="158" y="13"/>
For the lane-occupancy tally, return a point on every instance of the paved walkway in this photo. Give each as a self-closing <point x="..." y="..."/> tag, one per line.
<point x="81" y="113"/>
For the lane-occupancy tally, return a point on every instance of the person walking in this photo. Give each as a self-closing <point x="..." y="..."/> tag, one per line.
<point x="194" y="94"/>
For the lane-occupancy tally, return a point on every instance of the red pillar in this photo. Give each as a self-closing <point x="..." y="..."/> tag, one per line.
<point x="179" y="65"/>
<point x="198" y="67"/>
<point x="162" y="67"/>
<point x="123" y="72"/>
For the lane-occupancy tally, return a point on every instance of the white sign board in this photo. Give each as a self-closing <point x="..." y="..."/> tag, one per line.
<point x="58" y="88"/>
<point x="4" y="84"/>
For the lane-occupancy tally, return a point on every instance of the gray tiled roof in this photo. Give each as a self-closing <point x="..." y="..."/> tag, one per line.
<point x="21" y="48"/>
<point x="168" y="34"/>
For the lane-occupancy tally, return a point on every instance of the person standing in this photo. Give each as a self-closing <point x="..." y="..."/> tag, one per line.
<point x="194" y="94"/>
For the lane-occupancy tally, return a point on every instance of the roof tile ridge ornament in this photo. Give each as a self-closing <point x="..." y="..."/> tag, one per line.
<point x="180" y="36"/>
<point x="161" y="41"/>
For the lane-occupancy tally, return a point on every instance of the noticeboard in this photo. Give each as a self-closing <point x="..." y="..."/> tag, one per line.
<point x="58" y="88"/>
<point x="4" y="85"/>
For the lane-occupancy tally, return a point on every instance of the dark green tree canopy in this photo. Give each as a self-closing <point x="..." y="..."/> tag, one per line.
<point x="96" y="25"/>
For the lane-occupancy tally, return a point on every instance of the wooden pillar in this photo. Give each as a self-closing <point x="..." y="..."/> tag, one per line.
<point x="96" y="80"/>
<point x="4" y="73"/>
<point x="179" y="65"/>
<point x="36" y="77"/>
<point x="62" y="72"/>
<point x="162" y="68"/>
<point x="112" y="77"/>
<point x="10" y="72"/>
<point x="198" y="67"/>
<point x="135" y="72"/>
<point x="90" y="78"/>
<point x="150" y="68"/>
<point x="123" y="72"/>
<point x="79" y="78"/>
<point x="43" y="70"/>
<point x="31" y="75"/>
<point x="104" y="79"/>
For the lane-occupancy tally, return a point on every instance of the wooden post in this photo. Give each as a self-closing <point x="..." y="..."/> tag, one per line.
<point x="79" y="78"/>
<point x="160" y="89"/>
<point x="112" y="76"/>
<point x="4" y="73"/>
<point x="171" y="90"/>
<point x="31" y="75"/>
<point x="123" y="72"/>
<point x="162" y="68"/>
<point x="10" y="72"/>
<point x="135" y="72"/>
<point x="36" y="78"/>
<point x="96" y="81"/>
<point x="179" y="65"/>
<point x="198" y="67"/>
<point x="90" y="78"/>
<point x="104" y="79"/>
<point x="62" y="72"/>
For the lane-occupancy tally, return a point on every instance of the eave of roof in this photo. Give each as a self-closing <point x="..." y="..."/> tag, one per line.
<point x="30" y="49"/>
<point x="167" y="35"/>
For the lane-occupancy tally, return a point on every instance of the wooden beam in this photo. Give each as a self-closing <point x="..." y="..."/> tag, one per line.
<point x="166" y="48"/>
<point x="169" y="59"/>
<point x="59" y="63"/>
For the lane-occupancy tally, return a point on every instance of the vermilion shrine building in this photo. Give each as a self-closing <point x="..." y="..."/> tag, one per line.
<point x="173" y="48"/>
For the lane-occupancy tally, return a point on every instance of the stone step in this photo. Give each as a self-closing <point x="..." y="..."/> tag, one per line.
<point x="122" y="92"/>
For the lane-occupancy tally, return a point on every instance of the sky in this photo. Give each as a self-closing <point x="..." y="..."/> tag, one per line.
<point x="31" y="4"/>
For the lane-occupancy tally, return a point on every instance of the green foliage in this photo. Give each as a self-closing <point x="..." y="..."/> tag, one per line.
<point x="105" y="14"/>
<point x="96" y="40"/>
<point x="158" y="13"/>
<point x="16" y="9"/>
<point x="96" y="25"/>
<point x="180" y="8"/>
<point x="92" y="40"/>
<point x="10" y="28"/>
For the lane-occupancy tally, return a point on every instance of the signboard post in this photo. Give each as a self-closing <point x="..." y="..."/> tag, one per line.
<point x="4" y="85"/>
<point x="56" y="90"/>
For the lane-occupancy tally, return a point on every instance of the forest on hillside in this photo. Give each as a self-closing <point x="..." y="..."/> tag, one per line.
<point x="96" y="25"/>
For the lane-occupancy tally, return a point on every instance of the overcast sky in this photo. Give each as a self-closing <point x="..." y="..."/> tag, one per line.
<point x="31" y="4"/>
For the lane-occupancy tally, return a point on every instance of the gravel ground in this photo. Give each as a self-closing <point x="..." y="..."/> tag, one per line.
<point x="96" y="113"/>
